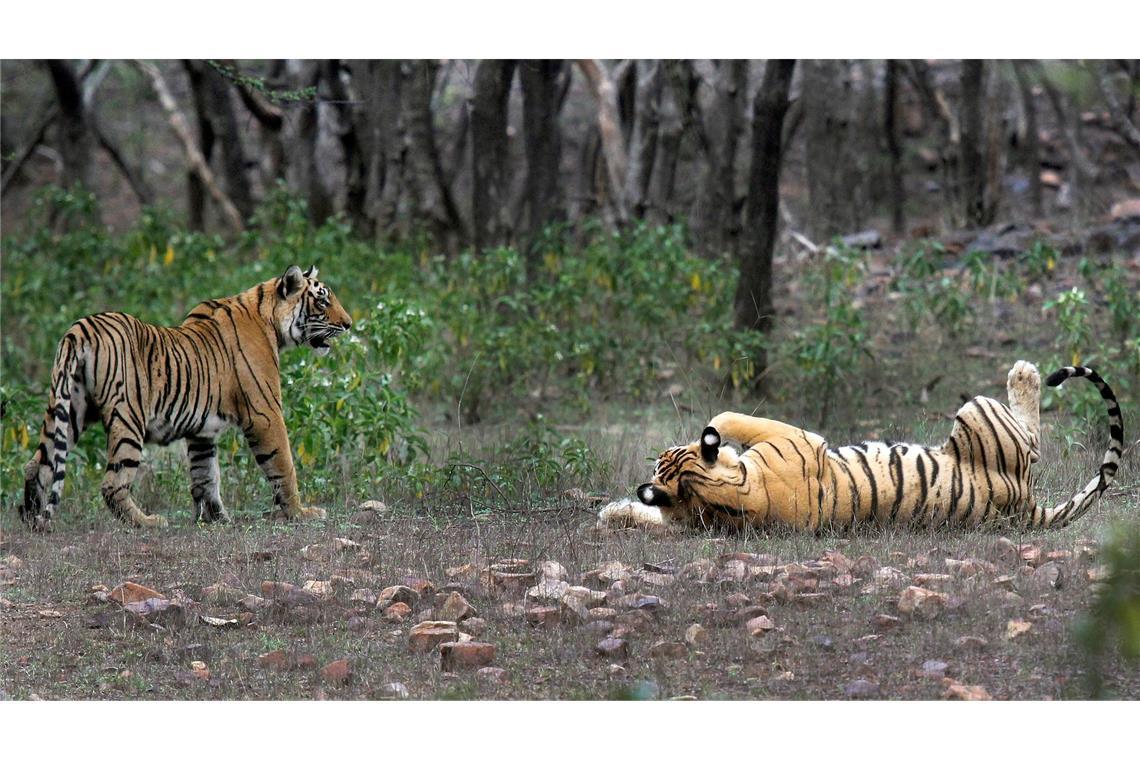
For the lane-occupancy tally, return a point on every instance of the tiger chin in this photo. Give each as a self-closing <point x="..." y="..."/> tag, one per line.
<point x="219" y="368"/>
<point x="786" y="476"/>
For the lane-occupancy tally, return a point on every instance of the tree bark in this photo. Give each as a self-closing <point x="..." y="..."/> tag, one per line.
<point x="1121" y="122"/>
<point x="1031" y="146"/>
<point x="75" y="144"/>
<point x="12" y="167"/>
<point x="975" y="208"/>
<point x="712" y="219"/>
<point x="643" y="135"/>
<point x="829" y="137"/>
<point x="383" y="94"/>
<point x="271" y="119"/>
<point x="195" y="189"/>
<point x="753" y="300"/>
<point x="489" y="104"/>
<point x="351" y="126"/>
<point x="894" y="150"/>
<point x="609" y="130"/>
<point x="662" y="184"/>
<point x="193" y="155"/>
<point x="435" y="205"/>
<point x="542" y="88"/>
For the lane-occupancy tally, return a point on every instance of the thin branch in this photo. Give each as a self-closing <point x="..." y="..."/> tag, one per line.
<point x="49" y="115"/>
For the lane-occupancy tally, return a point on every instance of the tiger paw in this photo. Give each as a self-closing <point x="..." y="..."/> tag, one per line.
<point x="1024" y="379"/>
<point x="310" y="513"/>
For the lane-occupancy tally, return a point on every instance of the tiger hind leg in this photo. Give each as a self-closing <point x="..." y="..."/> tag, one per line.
<point x="124" y="448"/>
<point x="1023" y="386"/>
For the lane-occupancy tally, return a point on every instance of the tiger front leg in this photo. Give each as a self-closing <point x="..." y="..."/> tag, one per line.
<point x="204" y="477"/>
<point x="270" y="447"/>
<point x="749" y="431"/>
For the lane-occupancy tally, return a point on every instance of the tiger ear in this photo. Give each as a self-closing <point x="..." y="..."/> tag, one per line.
<point x="710" y="444"/>
<point x="312" y="272"/>
<point x="290" y="282"/>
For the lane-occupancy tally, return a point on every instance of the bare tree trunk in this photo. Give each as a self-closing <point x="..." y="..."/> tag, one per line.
<point x="489" y="103"/>
<point x="609" y="129"/>
<point x="193" y="155"/>
<point x="1121" y="122"/>
<point x="643" y="136"/>
<point x="894" y="150"/>
<point x="1031" y="146"/>
<point x="938" y="109"/>
<point x="590" y="193"/>
<point x="229" y="134"/>
<point x="195" y="189"/>
<point x="351" y="129"/>
<point x="75" y="144"/>
<point x="829" y="139"/>
<point x="271" y="120"/>
<point x="1083" y="170"/>
<point x="660" y="207"/>
<point x="383" y="96"/>
<point x="712" y="218"/>
<point x="976" y="207"/>
<point x="753" y="301"/>
<point x="435" y="205"/>
<point x="543" y="83"/>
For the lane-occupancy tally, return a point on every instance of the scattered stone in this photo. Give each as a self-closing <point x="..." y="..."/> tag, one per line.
<point x="218" y="622"/>
<point x="425" y="636"/>
<point x="465" y="655"/>
<point x="975" y="643"/>
<point x="758" y="626"/>
<point x="322" y="589"/>
<point x="668" y="650"/>
<point x="864" y="566"/>
<point x="456" y="608"/>
<point x="394" y="690"/>
<point x="609" y="572"/>
<point x="882" y="622"/>
<point x="955" y="690"/>
<point x="397" y="612"/>
<point x="660" y="580"/>
<point x="1050" y="573"/>
<point x="574" y="612"/>
<point x="510" y="579"/>
<point x="345" y="545"/>
<point x="734" y="601"/>
<point x="733" y="570"/>
<point x="547" y="590"/>
<point x="749" y="612"/>
<point x="544" y="617"/>
<point x="398" y="594"/>
<point x="931" y="579"/>
<point x="305" y="662"/>
<point x="696" y="635"/>
<point x="200" y="670"/>
<point x="861" y="688"/>
<point x="164" y="612"/>
<point x="377" y="508"/>
<point x="1029" y="554"/>
<point x="475" y="626"/>
<point x="494" y="675"/>
<point x="640" y="602"/>
<point x="278" y="659"/>
<point x="356" y="624"/>
<point x="923" y="603"/>
<point x="702" y="570"/>
<point x="253" y="603"/>
<point x="365" y="596"/>
<point x="551" y="570"/>
<point x="337" y="671"/>
<point x="461" y="571"/>
<point x="421" y="586"/>
<point x="1125" y="209"/>
<point x="934" y="669"/>
<point x="128" y="592"/>
<point x="611" y="646"/>
<point x="864" y="239"/>
<point x="314" y="552"/>
<point x="49" y="613"/>
<point x="968" y="568"/>
<point x="634" y="620"/>
<point x="588" y="597"/>
<point x="1015" y="628"/>
<point x="221" y="593"/>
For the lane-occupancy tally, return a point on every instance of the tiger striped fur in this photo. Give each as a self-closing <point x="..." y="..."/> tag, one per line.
<point x="788" y="476"/>
<point x="146" y="383"/>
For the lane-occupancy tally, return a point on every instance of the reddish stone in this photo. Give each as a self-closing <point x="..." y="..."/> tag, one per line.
<point x="397" y="612"/>
<point x="544" y="617"/>
<point x="278" y="659"/>
<point x="427" y="635"/>
<point x="465" y="655"/>
<point x="128" y="592"/>
<point x="337" y="671"/>
<point x="612" y="647"/>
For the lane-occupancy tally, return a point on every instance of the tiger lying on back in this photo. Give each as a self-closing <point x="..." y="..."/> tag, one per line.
<point x="219" y="368"/>
<point x="789" y="476"/>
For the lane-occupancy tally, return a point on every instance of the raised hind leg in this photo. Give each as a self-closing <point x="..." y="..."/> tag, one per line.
<point x="1023" y="386"/>
<point x="204" y="476"/>
<point x="124" y="449"/>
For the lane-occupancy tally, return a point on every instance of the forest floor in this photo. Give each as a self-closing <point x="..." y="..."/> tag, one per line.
<point x="832" y="617"/>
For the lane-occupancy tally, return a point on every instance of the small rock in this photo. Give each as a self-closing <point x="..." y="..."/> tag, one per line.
<point x="603" y="613"/>
<point x="551" y="570"/>
<point x="612" y="647"/>
<point x="610" y="571"/>
<point x="659" y="580"/>
<point x="668" y="650"/>
<point x="824" y="642"/>
<point x="640" y="602"/>
<point x="375" y="507"/>
<point x="696" y="635"/>
<point x="356" y="624"/>
<point x="365" y="596"/>
<point x="915" y="600"/>
<point x="427" y="635"/>
<point x="1015" y="628"/>
<point x="322" y="589"/>
<point x="465" y="655"/>
<point x="421" y="586"/>
<point x="758" y="626"/>
<point x="475" y="626"/>
<point x="574" y="612"/>
<point x="337" y="671"/>
<point x="934" y="669"/>
<point x="883" y="622"/>
<point x="278" y="659"/>
<point x="701" y="570"/>
<point x="397" y="612"/>
<point x="1049" y="178"/>
<point x="494" y="675"/>
<point x="345" y="544"/>
<point x="200" y="670"/>
<point x="394" y="690"/>
<point x="1050" y="573"/>
<point x="455" y="608"/>
<point x="128" y="592"/>
<point x="861" y="688"/>
<point x="305" y="662"/>
<point x="221" y="593"/>
<point x="1125" y="209"/>
<point x="402" y="594"/>
<point x="734" y="601"/>
<point x="588" y="597"/>
<point x="734" y="570"/>
<point x="218" y="622"/>
<point x="49" y="613"/>
<point x="975" y="643"/>
<point x="955" y="690"/>
<point x="253" y="603"/>
<point x="547" y="590"/>
<point x="544" y="617"/>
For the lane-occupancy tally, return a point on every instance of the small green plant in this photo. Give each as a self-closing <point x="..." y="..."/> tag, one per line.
<point x="1073" y="330"/>
<point x="1114" y="617"/>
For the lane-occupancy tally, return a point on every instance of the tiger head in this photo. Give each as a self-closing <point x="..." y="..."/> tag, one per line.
<point x="688" y="477"/>
<point x="307" y="312"/>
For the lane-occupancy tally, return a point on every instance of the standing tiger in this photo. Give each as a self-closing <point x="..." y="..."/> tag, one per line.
<point x="789" y="476"/>
<point x="146" y="383"/>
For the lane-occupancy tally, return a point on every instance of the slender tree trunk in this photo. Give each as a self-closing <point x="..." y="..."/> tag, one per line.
<point x="971" y="150"/>
<point x="829" y="139"/>
<point x="386" y="169"/>
<point x="753" y="301"/>
<point x="662" y="184"/>
<point x="542" y="88"/>
<point x="307" y="160"/>
<point x="712" y="217"/>
<point x="351" y="130"/>
<point x="229" y="135"/>
<point x="271" y="120"/>
<point x="643" y="136"/>
<point x="1031" y="146"/>
<point x="435" y="205"/>
<point x="609" y="130"/>
<point x="894" y="150"/>
<point x="195" y="190"/>
<point x="489" y="191"/>
<point x="1120" y="115"/>
<point x="75" y="143"/>
<point x="1083" y="170"/>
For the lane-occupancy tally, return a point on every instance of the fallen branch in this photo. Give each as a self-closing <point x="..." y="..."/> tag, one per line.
<point x="193" y="155"/>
